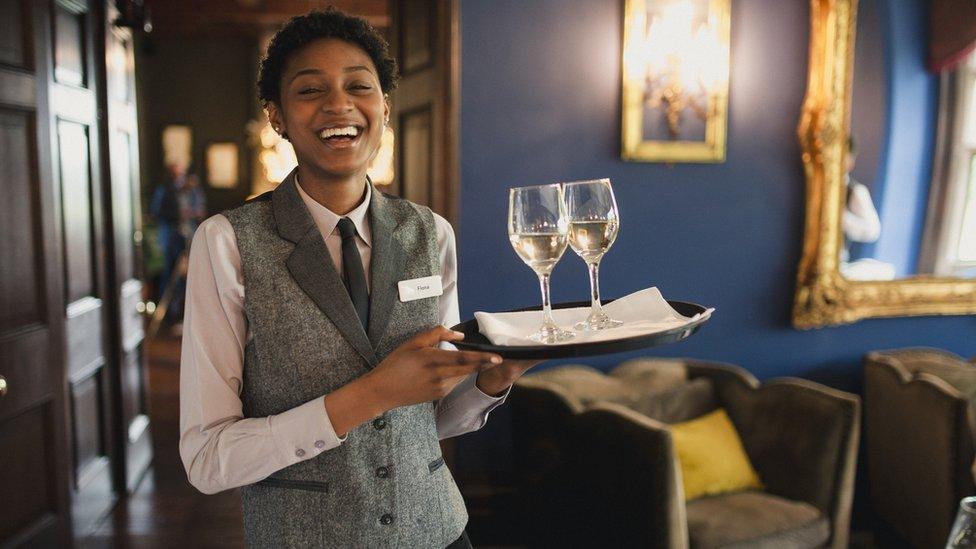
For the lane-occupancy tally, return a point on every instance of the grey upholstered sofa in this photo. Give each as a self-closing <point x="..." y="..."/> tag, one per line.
<point x="596" y="472"/>
<point x="919" y="431"/>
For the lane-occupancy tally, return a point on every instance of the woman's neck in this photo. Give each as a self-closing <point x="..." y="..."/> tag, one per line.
<point x="339" y="195"/>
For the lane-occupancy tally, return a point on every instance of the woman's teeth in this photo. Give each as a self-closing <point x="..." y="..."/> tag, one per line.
<point x="347" y="131"/>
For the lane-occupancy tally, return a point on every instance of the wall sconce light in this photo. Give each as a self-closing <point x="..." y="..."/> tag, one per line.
<point x="675" y="80"/>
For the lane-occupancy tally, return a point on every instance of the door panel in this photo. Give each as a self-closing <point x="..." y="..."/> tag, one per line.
<point x="69" y="43"/>
<point x="74" y="96"/>
<point x="21" y="296"/>
<point x="417" y="145"/>
<point x="76" y="209"/>
<point x="425" y="103"/>
<point x="25" y="439"/>
<point x="14" y="42"/>
<point x="135" y="443"/>
<point x="33" y="459"/>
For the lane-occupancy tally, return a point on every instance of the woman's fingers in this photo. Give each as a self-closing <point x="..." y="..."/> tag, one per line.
<point x="469" y="357"/>
<point x="432" y="337"/>
<point x="460" y="363"/>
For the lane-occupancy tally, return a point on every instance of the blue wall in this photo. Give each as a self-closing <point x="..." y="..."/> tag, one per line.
<point x="540" y="103"/>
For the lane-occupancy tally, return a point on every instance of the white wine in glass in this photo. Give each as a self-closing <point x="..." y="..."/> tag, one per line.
<point x="540" y="252"/>
<point x="593" y="225"/>
<point x="539" y="232"/>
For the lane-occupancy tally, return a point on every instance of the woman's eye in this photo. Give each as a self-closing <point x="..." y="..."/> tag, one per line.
<point x="306" y="91"/>
<point x="361" y="87"/>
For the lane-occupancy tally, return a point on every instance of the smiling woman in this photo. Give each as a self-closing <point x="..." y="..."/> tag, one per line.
<point x="333" y="110"/>
<point x="303" y="378"/>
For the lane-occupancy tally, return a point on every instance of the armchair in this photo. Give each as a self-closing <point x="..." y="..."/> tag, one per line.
<point x="919" y="424"/>
<point x="801" y="438"/>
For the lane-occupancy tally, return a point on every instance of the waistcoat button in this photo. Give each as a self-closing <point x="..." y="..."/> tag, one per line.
<point x="386" y="519"/>
<point x="300" y="453"/>
<point x="382" y="472"/>
<point x="320" y="444"/>
<point x="379" y="423"/>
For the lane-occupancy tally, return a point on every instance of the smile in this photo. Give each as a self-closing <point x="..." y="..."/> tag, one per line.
<point x="340" y="137"/>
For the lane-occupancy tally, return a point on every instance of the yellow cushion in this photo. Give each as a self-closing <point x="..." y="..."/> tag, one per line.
<point x="711" y="455"/>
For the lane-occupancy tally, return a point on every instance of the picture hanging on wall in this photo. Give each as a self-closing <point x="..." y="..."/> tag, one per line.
<point x="177" y="145"/>
<point x="222" y="165"/>
<point x="675" y="80"/>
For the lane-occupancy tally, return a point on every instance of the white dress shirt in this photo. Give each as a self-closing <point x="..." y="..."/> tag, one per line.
<point x="220" y="448"/>
<point x="860" y="220"/>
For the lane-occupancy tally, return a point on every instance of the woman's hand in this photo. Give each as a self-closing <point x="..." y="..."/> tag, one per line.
<point x="417" y="371"/>
<point x="497" y="378"/>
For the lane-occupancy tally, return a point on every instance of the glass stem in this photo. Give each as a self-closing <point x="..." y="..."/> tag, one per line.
<point x="547" y="322"/>
<point x="595" y="307"/>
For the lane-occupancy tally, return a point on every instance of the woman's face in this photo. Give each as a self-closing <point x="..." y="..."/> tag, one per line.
<point x="332" y="107"/>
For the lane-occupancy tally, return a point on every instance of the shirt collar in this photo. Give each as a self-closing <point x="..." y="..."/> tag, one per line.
<point x="326" y="220"/>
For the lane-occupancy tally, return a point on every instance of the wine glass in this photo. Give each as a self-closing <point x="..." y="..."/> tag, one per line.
<point x="538" y="230"/>
<point x="593" y="225"/>
<point x="963" y="534"/>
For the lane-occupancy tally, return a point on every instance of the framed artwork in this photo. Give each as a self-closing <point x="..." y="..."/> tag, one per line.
<point x="177" y="145"/>
<point x="222" y="165"/>
<point x="675" y="80"/>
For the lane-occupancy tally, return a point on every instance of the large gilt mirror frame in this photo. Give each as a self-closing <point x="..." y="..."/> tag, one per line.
<point x="823" y="296"/>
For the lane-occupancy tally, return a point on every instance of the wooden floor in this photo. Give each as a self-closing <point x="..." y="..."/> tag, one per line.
<point x="166" y="511"/>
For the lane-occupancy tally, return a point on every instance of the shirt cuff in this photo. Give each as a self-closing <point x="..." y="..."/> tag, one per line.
<point x="304" y="432"/>
<point x="468" y="396"/>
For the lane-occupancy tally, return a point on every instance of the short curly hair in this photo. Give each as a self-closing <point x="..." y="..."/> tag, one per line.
<point x="331" y="23"/>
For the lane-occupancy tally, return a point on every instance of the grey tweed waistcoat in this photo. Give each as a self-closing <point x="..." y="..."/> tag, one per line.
<point x="386" y="485"/>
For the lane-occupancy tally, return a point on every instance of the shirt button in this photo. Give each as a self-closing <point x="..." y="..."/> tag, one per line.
<point x="382" y="472"/>
<point x="386" y="519"/>
<point x="379" y="423"/>
<point x="320" y="444"/>
<point x="300" y="453"/>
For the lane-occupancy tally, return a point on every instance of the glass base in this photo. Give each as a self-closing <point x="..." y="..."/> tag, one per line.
<point x="597" y="322"/>
<point x="551" y="334"/>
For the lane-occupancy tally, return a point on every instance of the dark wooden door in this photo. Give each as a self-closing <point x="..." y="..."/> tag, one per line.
<point x="34" y="461"/>
<point x="424" y="106"/>
<point x="76" y="136"/>
<point x="125" y="238"/>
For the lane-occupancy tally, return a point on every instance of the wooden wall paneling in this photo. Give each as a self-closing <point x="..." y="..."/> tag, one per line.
<point x="71" y="30"/>
<point x="124" y="233"/>
<point x="34" y="461"/>
<point x="77" y="163"/>
<point x="14" y="43"/>
<point x="417" y="148"/>
<point x="22" y="298"/>
<point x="425" y="39"/>
<point x="25" y="439"/>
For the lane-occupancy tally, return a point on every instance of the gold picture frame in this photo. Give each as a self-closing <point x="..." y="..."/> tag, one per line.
<point x="823" y="296"/>
<point x="641" y="138"/>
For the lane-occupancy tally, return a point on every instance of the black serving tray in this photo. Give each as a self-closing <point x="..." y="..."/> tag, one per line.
<point x="476" y="341"/>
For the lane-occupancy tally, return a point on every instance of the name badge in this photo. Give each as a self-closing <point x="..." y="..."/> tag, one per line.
<point x="419" y="288"/>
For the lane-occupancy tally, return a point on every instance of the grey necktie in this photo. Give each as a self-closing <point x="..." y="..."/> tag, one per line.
<point x="353" y="274"/>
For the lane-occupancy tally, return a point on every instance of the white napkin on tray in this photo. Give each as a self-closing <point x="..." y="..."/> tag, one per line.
<point x="644" y="312"/>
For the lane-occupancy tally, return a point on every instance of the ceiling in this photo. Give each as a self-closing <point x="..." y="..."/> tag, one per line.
<point x="250" y="17"/>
